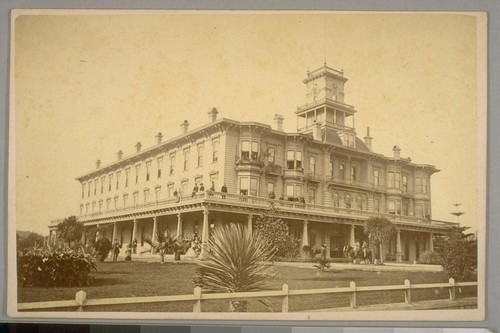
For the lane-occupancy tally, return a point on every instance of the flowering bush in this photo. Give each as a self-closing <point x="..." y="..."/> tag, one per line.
<point x="40" y="268"/>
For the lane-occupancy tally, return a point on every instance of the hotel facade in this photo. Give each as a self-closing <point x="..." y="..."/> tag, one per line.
<point x="325" y="180"/>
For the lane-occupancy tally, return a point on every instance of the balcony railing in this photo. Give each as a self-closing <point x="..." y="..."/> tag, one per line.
<point x="273" y="170"/>
<point x="314" y="177"/>
<point x="353" y="182"/>
<point x="260" y="202"/>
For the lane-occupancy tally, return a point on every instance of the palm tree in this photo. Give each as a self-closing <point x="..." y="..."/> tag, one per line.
<point x="236" y="262"/>
<point x="70" y="229"/>
<point x="379" y="230"/>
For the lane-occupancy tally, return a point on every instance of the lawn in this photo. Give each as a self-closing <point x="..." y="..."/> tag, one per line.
<point x="128" y="279"/>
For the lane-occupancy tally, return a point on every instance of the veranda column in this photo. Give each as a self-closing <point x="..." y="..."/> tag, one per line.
<point x="431" y="242"/>
<point x="305" y="239"/>
<point x="179" y="225"/>
<point x="154" y="239"/>
<point x="134" y="231"/>
<point x="114" y="232"/>
<point x="398" y="246"/>
<point x="204" y="233"/>
<point x="352" y="239"/>
<point x="250" y="222"/>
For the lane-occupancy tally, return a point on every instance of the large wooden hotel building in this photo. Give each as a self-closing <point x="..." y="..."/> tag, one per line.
<point x="326" y="181"/>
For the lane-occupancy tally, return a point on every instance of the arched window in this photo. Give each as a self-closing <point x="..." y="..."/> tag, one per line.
<point x="335" y="199"/>
<point x="347" y="201"/>
<point x="359" y="203"/>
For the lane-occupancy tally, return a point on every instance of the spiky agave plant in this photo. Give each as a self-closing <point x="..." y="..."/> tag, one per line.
<point x="379" y="230"/>
<point x="237" y="260"/>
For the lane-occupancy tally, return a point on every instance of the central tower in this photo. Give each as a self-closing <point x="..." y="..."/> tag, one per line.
<point x="325" y="112"/>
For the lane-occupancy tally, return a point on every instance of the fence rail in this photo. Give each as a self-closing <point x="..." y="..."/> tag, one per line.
<point x="80" y="301"/>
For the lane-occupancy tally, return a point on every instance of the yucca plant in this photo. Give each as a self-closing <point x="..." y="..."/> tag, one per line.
<point x="236" y="261"/>
<point x="379" y="230"/>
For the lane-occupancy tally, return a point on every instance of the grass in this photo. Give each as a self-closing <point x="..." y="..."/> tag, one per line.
<point x="129" y="279"/>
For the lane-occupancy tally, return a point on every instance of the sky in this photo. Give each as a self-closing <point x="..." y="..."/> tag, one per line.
<point x="89" y="84"/>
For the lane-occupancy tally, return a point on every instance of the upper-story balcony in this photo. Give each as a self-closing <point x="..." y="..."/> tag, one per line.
<point x="294" y="173"/>
<point x="314" y="177"/>
<point x="248" y="164"/>
<point x="273" y="170"/>
<point x="294" y="208"/>
<point x="354" y="183"/>
<point x="328" y="101"/>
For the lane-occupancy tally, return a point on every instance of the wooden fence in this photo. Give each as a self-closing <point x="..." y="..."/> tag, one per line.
<point x="80" y="301"/>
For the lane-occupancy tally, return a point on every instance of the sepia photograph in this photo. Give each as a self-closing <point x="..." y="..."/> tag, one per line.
<point x="247" y="165"/>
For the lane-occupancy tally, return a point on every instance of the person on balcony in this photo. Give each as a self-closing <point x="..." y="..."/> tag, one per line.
<point x="223" y="190"/>
<point x="272" y="195"/>
<point x="195" y="190"/>
<point x="202" y="188"/>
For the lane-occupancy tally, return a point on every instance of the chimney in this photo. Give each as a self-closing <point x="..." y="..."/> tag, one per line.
<point x="368" y="139"/>
<point x="317" y="131"/>
<point x="213" y="114"/>
<point x="158" y="137"/>
<point x="396" y="151"/>
<point x="138" y="147"/>
<point x="98" y="164"/>
<point x="185" y="126"/>
<point x="119" y="155"/>
<point x="278" y="122"/>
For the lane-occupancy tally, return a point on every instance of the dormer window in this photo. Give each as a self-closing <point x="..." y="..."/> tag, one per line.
<point x="349" y="140"/>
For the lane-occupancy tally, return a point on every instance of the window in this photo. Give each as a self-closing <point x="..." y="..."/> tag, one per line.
<point x="421" y="184"/>
<point x="83" y="190"/>
<point x="136" y="196"/>
<point x="376" y="177"/>
<point x="93" y="207"/>
<point x="137" y="171"/>
<point x="376" y="204"/>
<point x="293" y="191"/>
<point x="184" y="187"/>
<point x="125" y="197"/>
<point x="293" y="160"/>
<point x="391" y="207"/>
<point x="271" y="155"/>
<point x="244" y="185"/>
<point x="148" y="169"/>
<point x="172" y="163"/>
<point x="108" y="202"/>
<point x="170" y="190"/>
<point x="88" y="190"/>
<point x="249" y="186"/>
<point x="255" y="151"/>
<point x="419" y="211"/>
<point x="118" y="174"/>
<point x="159" y="162"/>
<point x="100" y="206"/>
<point x="110" y="181"/>
<point x="270" y="188"/>
<point x="353" y="173"/>
<point x="127" y="175"/>
<point x="103" y="179"/>
<point x="405" y="183"/>
<point x="397" y="182"/>
<point x="330" y="168"/>
<point x="312" y="164"/>
<point x="157" y="193"/>
<point x="95" y="186"/>
<point x="215" y="154"/>
<point x="347" y="201"/>
<point x="200" y="154"/>
<point x="186" y="159"/>
<point x="86" y="209"/>
<point x="359" y="203"/>
<point x="254" y="186"/>
<point x="342" y="171"/>
<point x="312" y="196"/>
<point x="405" y="209"/>
<point x="81" y="209"/>
<point x="146" y="195"/>
<point x="390" y="179"/>
<point x="289" y="191"/>
<point x="349" y="140"/>
<point x="116" y="201"/>
<point x="213" y="179"/>
<point x="335" y="199"/>
<point x="245" y="150"/>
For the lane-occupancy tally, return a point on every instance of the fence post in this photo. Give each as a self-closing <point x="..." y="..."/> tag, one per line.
<point x="197" y="303"/>
<point x="80" y="299"/>
<point x="284" y="303"/>
<point x="353" y="294"/>
<point x="407" y="291"/>
<point x="452" y="288"/>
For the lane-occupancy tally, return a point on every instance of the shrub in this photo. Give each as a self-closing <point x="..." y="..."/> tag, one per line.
<point x="102" y="247"/>
<point x="45" y="269"/>
<point x="430" y="258"/>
